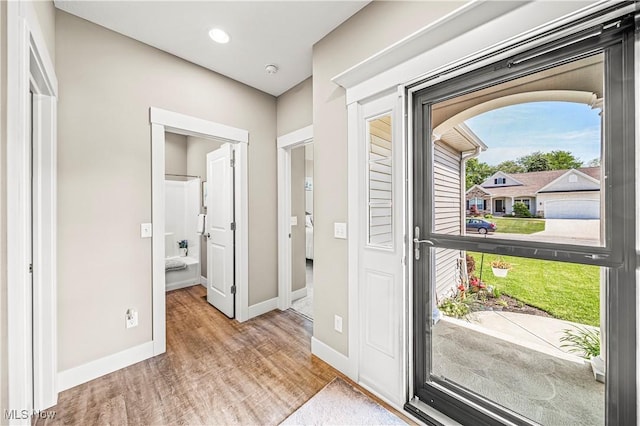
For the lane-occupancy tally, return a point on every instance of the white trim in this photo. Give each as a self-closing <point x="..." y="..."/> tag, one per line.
<point x="203" y="281"/>
<point x="102" y="366"/>
<point x="162" y="121"/>
<point x="263" y="307"/>
<point x="192" y="126"/>
<point x="355" y="122"/>
<point x="500" y="174"/>
<point x="182" y="284"/>
<point x="285" y="144"/>
<point x="332" y="357"/>
<point x="296" y="138"/>
<point x="299" y="294"/>
<point x="32" y="315"/>
<point x="457" y="39"/>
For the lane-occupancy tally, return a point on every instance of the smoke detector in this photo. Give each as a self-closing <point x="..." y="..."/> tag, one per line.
<point x="271" y="69"/>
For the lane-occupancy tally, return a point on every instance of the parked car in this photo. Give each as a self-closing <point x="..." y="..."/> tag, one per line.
<point x="480" y="226"/>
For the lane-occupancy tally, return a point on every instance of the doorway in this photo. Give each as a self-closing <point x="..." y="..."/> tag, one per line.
<point x="31" y="216"/>
<point x="469" y="363"/>
<point x="295" y="221"/>
<point x="236" y="140"/>
<point x="302" y="230"/>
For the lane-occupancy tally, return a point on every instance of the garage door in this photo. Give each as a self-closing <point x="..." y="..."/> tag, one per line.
<point x="572" y="209"/>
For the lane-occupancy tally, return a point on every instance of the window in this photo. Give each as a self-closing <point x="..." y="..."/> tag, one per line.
<point x="478" y="373"/>
<point x="525" y="201"/>
<point x="500" y="181"/>
<point x="380" y="189"/>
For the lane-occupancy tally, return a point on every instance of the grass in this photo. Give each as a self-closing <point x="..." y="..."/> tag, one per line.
<point x="565" y="290"/>
<point x="518" y="225"/>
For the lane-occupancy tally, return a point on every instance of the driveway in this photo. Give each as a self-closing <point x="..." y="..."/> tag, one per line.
<point x="584" y="229"/>
<point x="563" y="231"/>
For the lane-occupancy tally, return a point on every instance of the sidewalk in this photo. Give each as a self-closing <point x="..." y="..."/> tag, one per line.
<point x="535" y="332"/>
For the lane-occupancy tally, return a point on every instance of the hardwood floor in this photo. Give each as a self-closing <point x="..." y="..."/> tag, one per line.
<point x="215" y="371"/>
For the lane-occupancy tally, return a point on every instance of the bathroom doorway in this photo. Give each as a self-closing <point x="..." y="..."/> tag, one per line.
<point x="168" y="131"/>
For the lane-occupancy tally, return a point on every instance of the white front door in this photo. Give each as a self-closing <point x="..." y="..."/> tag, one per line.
<point x="381" y="278"/>
<point x="220" y="230"/>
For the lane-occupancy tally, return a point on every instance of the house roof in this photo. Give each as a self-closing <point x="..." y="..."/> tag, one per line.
<point x="532" y="182"/>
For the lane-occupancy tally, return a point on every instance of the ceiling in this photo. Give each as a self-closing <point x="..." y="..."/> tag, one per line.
<point x="262" y="33"/>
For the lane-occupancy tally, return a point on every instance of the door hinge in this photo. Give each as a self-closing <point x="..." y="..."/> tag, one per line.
<point x="233" y="162"/>
<point x="233" y="226"/>
<point x="233" y="289"/>
<point x="31" y="268"/>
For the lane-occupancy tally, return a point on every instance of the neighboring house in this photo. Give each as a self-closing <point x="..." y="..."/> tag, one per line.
<point x="553" y="194"/>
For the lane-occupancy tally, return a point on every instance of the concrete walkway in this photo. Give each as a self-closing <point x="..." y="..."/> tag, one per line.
<point x="534" y="332"/>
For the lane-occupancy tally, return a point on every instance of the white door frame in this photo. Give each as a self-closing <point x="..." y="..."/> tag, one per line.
<point x="286" y="143"/>
<point x="32" y="341"/>
<point x="161" y="122"/>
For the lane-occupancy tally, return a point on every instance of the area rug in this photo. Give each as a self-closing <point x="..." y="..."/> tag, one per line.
<point x="339" y="403"/>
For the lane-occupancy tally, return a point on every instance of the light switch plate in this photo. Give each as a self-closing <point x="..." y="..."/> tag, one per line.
<point x="146" y="230"/>
<point x="294" y="220"/>
<point x="340" y="230"/>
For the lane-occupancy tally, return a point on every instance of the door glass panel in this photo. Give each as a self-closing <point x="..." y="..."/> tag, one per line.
<point x="380" y="185"/>
<point x="522" y="340"/>
<point x="523" y="160"/>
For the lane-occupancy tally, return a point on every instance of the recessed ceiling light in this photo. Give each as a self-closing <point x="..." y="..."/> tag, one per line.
<point x="271" y="69"/>
<point x="219" y="36"/>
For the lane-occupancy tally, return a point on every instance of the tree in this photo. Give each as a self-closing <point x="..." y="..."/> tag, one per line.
<point x="594" y="163"/>
<point x="534" y="162"/>
<point x="477" y="172"/>
<point x="510" y="166"/>
<point x="562" y="160"/>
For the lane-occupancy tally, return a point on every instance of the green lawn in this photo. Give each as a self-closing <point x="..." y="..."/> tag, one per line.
<point x="565" y="290"/>
<point x="516" y="225"/>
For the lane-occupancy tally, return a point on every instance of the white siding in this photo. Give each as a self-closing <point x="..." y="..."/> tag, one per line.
<point x="448" y="191"/>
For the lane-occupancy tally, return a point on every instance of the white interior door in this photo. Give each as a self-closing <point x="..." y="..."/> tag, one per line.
<point x="220" y="230"/>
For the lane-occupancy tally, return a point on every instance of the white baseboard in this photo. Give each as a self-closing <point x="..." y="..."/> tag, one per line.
<point x="332" y="357"/>
<point x="263" y="307"/>
<point x="299" y="294"/>
<point x="181" y="284"/>
<point x="203" y="281"/>
<point x="94" y="369"/>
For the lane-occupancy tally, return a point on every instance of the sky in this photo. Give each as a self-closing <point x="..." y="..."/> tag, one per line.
<point x="518" y="130"/>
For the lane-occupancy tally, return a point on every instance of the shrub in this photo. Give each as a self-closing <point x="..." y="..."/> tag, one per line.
<point x="453" y="307"/>
<point x="488" y="216"/>
<point x="471" y="265"/>
<point x="521" y="210"/>
<point x="473" y="211"/>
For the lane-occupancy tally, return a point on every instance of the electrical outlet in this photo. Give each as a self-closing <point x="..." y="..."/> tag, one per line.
<point x="131" y="318"/>
<point x="340" y="230"/>
<point x="337" y="323"/>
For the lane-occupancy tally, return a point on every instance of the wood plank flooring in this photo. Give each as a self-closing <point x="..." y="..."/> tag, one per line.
<point x="215" y="371"/>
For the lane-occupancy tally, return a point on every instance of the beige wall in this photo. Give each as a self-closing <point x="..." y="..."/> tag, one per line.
<point x="107" y="84"/>
<point x="298" y="232"/>
<point x="295" y="108"/>
<point x="295" y="112"/>
<point x="347" y="45"/>
<point x="197" y="149"/>
<point x="175" y="154"/>
<point x="46" y="13"/>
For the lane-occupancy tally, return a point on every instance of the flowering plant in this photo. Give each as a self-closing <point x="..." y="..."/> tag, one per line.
<point x="476" y="285"/>
<point x="183" y="243"/>
<point x="500" y="264"/>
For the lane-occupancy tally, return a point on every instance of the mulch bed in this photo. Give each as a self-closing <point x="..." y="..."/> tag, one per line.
<point x="512" y="305"/>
